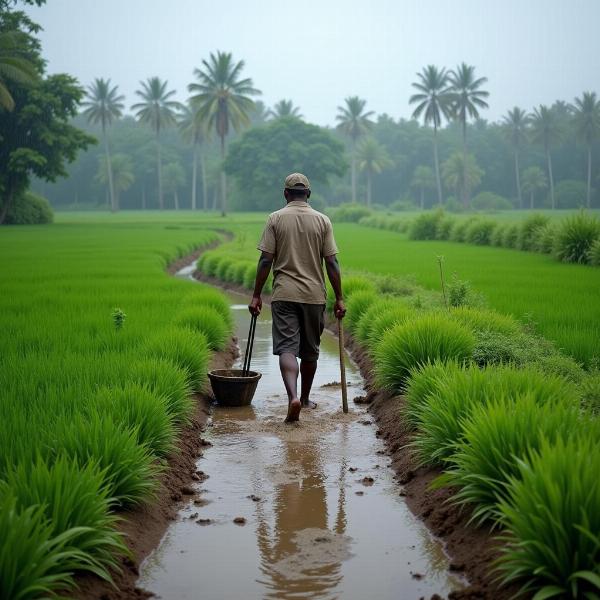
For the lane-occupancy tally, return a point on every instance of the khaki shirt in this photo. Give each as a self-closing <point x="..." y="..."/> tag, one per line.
<point x="299" y="237"/>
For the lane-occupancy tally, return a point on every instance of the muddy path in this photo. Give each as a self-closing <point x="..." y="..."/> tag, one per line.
<point x="303" y="511"/>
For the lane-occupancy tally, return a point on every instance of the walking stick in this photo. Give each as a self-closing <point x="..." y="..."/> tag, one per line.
<point x="249" y="345"/>
<point x="342" y="367"/>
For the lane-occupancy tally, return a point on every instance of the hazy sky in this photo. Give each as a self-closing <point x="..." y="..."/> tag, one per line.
<point x="317" y="52"/>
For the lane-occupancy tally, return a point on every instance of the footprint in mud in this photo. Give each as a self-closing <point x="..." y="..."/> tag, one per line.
<point x="368" y="481"/>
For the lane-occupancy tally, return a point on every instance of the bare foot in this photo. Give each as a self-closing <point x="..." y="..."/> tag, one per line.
<point x="308" y="404"/>
<point x="294" y="409"/>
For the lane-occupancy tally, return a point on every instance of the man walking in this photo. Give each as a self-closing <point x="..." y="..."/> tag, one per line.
<point x="295" y="242"/>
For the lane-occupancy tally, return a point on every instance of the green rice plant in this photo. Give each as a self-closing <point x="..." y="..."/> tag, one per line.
<point x="249" y="277"/>
<point x="167" y="380"/>
<point x="141" y="410"/>
<point x="211" y="264"/>
<point x="575" y="237"/>
<point x="72" y="496"/>
<point x="528" y="231"/>
<point x="511" y="236"/>
<point x="268" y="287"/>
<point x="207" y="296"/>
<point x="131" y="471"/>
<point x="186" y="348"/>
<point x="594" y="254"/>
<point x="416" y="343"/>
<point x="444" y="411"/>
<point x="480" y="319"/>
<point x="551" y="521"/>
<point x="241" y="269"/>
<point x="423" y="381"/>
<point x="424" y="227"/>
<point x="231" y="272"/>
<point x="543" y="238"/>
<point x="208" y="321"/>
<point x="589" y="389"/>
<point x="357" y="304"/>
<point x="479" y="232"/>
<point x="223" y="267"/>
<point x="349" y="286"/>
<point x="34" y="563"/>
<point x="495" y="436"/>
<point x="201" y="262"/>
<point x="389" y="318"/>
<point x="363" y="326"/>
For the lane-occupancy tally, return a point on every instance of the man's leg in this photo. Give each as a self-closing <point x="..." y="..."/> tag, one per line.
<point x="289" y="372"/>
<point x="308" y="369"/>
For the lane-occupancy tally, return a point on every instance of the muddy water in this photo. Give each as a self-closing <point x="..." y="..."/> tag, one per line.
<point x="322" y="515"/>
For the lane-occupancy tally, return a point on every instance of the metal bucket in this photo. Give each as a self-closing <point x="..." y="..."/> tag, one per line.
<point x="232" y="388"/>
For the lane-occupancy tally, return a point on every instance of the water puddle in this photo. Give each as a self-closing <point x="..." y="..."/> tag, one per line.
<point x="295" y="511"/>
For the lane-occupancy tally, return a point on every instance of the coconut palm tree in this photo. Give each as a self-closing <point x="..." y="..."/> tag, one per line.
<point x="192" y="132"/>
<point x="423" y="179"/>
<point x="515" y="128"/>
<point x="121" y="168"/>
<point x="103" y="105"/>
<point x="355" y="123"/>
<point x="586" y="117"/>
<point x="533" y="180"/>
<point x="454" y="171"/>
<point x="433" y="102"/>
<point x="284" y="108"/>
<point x="14" y="65"/>
<point x="158" y="111"/>
<point x="467" y="99"/>
<point x="223" y="101"/>
<point x="372" y="158"/>
<point x="546" y="130"/>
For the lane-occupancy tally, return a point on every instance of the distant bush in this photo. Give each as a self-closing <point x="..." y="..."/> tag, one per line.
<point x="497" y="237"/>
<point x="317" y="202"/>
<point x="594" y="253"/>
<point x="406" y="204"/>
<point x="480" y="232"/>
<point x="453" y="205"/>
<point x="30" y="209"/>
<point x="570" y="193"/>
<point x="444" y="227"/>
<point x="424" y="227"/>
<point x="416" y="343"/>
<point x="528" y="231"/>
<point x="511" y="236"/>
<point x="459" y="229"/>
<point x="575" y="237"/>
<point x="490" y="201"/>
<point x="349" y="213"/>
<point x="543" y="238"/>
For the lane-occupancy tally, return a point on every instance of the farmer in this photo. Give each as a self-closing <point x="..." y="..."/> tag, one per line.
<point x="295" y="241"/>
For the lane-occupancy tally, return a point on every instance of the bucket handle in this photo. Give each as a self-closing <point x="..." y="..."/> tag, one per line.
<point x="249" y="346"/>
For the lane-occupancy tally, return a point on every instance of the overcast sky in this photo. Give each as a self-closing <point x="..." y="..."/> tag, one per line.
<point x="317" y="52"/>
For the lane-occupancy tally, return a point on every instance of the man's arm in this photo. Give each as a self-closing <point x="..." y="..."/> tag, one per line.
<point x="335" y="278"/>
<point x="262" y="272"/>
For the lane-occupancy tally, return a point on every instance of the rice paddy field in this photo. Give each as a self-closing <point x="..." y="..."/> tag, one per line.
<point x="101" y="352"/>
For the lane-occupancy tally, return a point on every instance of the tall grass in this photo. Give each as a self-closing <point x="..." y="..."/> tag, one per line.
<point x="396" y="315"/>
<point x="207" y="321"/>
<point x="358" y="303"/>
<point x="575" y="237"/>
<point x="366" y="320"/>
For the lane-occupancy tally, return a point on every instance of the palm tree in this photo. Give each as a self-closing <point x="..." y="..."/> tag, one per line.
<point x="458" y="174"/>
<point x="423" y="179"/>
<point x="372" y="159"/>
<point x="223" y="101"/>
<point x="285" y="108"/>
<point x="586" y="116"/>
<point x="103" y="105"/>
<point x="354" y="123"/>
<point x="515" y="127"/>
<point x="14" y="65"/>
<point x="174" y="179"/>
<point x="192" y="132"/>
<point x="533" y="180"/>
<point x="546" y="130"/>
<point x="158" y="111"/>
<point x="467" y="98"/>
<point x="434" y="103"/>
<point x="121" y="168"/>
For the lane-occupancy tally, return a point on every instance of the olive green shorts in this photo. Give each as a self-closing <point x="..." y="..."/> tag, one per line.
<point x="297" y="328"/>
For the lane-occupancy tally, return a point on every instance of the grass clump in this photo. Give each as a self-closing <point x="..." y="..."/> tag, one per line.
<point x="416" y="343"/>
<point x="208" y="321"/>
<point x="425" y="226"/>
<point x="187" y="349"/>
<point x="350" y="285"/>
<point x="575" y="237"/>
<point x="365" y="322"/>
<point x="480" y="232"/>
<point x="511" y="236"/>
<point x="479" y="319"/>
<point x="358" y="303"/>
<point x="207" y="296"/>
<point x="396" y="315"/>
<point x="594" y="253"/>
<point x="223" y="267"/>
<point x="494" y="438"/>
<point x="528" y="231"/>
<point x="552" y="522"/>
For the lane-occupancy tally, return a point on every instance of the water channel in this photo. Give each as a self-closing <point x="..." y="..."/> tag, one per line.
<point x="321" y="515"/>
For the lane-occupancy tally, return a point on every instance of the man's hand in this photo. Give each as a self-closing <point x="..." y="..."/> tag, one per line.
<point x="255" y="305"/>
<point x="339" y="309"/>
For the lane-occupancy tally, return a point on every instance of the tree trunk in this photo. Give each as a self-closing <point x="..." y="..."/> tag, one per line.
<point x="550" y="178"/>
<point x="194" y="174"/>
<point x="223" y="179"/>
<point x="436" y="162"/>
<point x="369" y="188"/>
<point x="204" y="186"/>
<point x="422" y="197"/>
<point x="518" y="178"/>
<point x="353" y="172"/>
<point x="465" y="186"/>
<point x="7" y="204"/>
<point x="111" y="188"/>
<point x="589" y="177"/>
<point x="159" y="172"/>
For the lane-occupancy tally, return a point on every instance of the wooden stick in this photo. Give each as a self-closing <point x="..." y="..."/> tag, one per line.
<point x="342" y="367"/>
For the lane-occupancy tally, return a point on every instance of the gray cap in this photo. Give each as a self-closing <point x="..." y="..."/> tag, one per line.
<point x="297" y="181"/>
